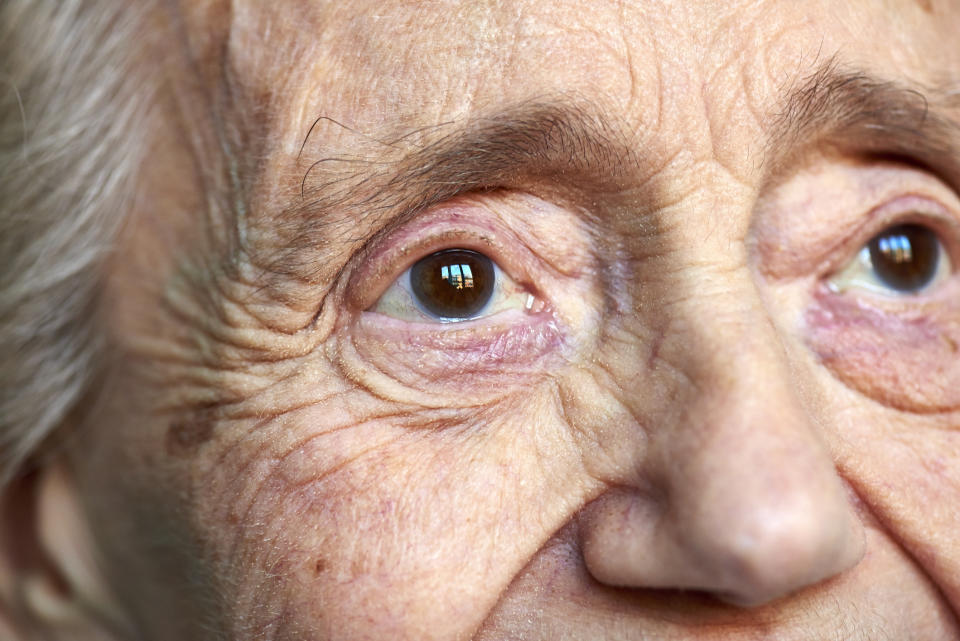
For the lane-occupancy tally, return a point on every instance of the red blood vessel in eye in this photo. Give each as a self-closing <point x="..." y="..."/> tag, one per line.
<point x="453" y="284"/>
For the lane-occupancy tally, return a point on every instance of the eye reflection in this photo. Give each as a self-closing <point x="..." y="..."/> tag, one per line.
<point x="905" y="257"/>
<point x="901" y="260"/>
<point x="454" y="283"/>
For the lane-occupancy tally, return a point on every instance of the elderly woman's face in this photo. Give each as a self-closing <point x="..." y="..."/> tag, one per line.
<point x="540" y="320"/>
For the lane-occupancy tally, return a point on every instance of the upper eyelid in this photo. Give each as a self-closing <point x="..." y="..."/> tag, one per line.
<point x="391" y="257"/>
<point x="902" y="209"/>
<point x="813" y="221"/>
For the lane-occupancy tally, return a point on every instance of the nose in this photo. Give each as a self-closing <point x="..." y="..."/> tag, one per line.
<point x="736" y="493"/>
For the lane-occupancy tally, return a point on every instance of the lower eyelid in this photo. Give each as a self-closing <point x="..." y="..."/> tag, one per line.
<point x="906" y="357"/>
<point x="468" y="363"/>
<point x="510" y="336"/>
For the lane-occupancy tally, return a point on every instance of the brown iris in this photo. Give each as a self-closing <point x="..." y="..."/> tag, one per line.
<point x="454" y="283"/>
<point x="905" y="257"/>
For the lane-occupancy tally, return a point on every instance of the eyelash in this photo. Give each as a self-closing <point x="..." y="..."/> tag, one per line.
<point x="864" y="272"/>
<point x="389" y="260"/>
<point x="907" y="210"/>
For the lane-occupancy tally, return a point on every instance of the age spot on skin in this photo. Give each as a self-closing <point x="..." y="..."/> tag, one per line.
<point x="185" y="435"/>
<point x="320" y="566"/>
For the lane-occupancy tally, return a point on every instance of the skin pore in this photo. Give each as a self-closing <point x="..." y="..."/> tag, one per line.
<point x="688" y="435"/>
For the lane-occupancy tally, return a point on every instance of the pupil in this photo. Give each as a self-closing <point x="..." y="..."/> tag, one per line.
<point x="454" y="283"/>
<point x="905" y="257"/>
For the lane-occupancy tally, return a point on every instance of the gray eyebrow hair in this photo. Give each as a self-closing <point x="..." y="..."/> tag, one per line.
<point x="855" y="112"/>
<point x="570" y="140"/>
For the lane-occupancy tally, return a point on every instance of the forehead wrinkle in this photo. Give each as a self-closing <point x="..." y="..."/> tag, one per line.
<point x="347" y="198"/>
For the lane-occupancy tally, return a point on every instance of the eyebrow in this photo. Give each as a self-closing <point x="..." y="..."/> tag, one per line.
<point x="855" y="112"/>
<point x="569" y="140"/>
<point x="392" y="179"/>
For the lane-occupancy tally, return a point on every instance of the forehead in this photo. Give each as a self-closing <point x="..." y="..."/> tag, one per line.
<point x="327" y="98"/>
<point x="445" y="56"/>
<point x="690" y="78"/>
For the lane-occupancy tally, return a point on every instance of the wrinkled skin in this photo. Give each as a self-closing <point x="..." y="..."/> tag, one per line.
<point x="689" y="436"/>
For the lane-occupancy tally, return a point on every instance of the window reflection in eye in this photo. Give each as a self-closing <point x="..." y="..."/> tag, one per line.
<point x="452" y="285"/>
<point x="901" y="260"/>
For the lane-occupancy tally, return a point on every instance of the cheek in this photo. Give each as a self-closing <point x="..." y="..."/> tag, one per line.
<point x="386" y="524"/>
<point x="907" y="470"/>
<point x="905" y="360"/>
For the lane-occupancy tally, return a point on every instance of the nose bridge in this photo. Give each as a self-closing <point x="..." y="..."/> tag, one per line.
<point x="748" y="503"/>
<point x="716" y="325"/>
<point x="752" y="485"/>
<point x="727" y="363"/>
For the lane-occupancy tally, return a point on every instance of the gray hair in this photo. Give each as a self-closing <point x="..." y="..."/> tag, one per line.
<point x="71" y="109"/>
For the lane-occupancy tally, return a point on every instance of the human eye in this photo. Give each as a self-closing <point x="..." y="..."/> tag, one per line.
<point x="452" y="285"/>
<point x="468" y="301"/>
<point x="901" y="260"/>
<point x="865" y="257"/>
<point x="886" y="323"/>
